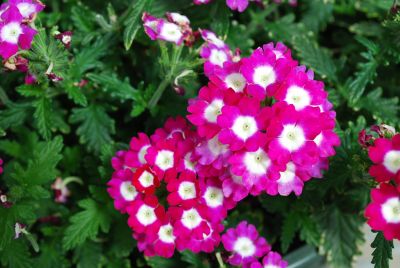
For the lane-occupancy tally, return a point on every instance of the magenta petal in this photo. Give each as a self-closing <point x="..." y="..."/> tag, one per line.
<point x="25" y="40"/>
<point x="7" y="50"/>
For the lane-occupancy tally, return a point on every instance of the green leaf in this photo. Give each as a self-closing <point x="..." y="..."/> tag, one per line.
<point x="42" y="167"/>
<point x="315" y="57"/>
<point x="51" y="255"/>
<point x="30" y="91"/>
<point x="88" y="255"/>
<point x="76" y="94"/>
<point x="14" y="115"/>
<point x="342" y="235"/>
<point x="382" y="109"/>
<point x="382" y="251"/>
<point x="47" y="55"/>
<point x="309" y="230"/>
<point x="157" y="262"/>
<point x="43" y="116"/>
<point x="318" y="14"/>
<point x="116" y="87"/>
<point x="132" y="23"/>
<point x="289" y="228"/>
<point x="194" y="260"/>
<point x="95" y="127"/>
<point x="365" y="75"/>
<point x="16" y="255"/>
<point x="86" y="224"/>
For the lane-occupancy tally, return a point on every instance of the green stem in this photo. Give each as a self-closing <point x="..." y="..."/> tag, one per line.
<point x="219" y="259"/>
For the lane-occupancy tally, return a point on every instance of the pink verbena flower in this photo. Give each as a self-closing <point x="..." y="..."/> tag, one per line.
<point x="302" y="92"/>
<point x="241" y="125"/>
<point x="163" y="159"/>
<point x="145" y="180"/>
<point x="244" y="244"/>
<point x="1" y="165"/>
<point x="209" y="242"/>
<point x="213" y="197"/>
<point x="233" y="187"/>
<point x="176" y="129"/>
<point x="65" y="38"/>
<point x="229" y="76"/>
<point x="383" y="213"/>
<point x="183" y="191"/>
<point x="263" y="70"/>
<point x="14" y="34"/>
<point x="215" y="57"/>
<point x="280" y="51"/>
<point x="163" y="241"/>
<point x="61" y="191"/>
<point x="145" y="215"/>
<point x="255" y="168"/>
<point x="121" y="189"/>
<point x="272" y="260"/>
<point x="205" y="109"/>
<point x="239" y="5"/>
<point x="293" y="134"/>
<point x="212" y="38"/>
<point x="385" y="154"/>
<point x="135" y="157"/>
<point x="189" y="223"/>
<point x="28" y="8"/>
<point x="201" y="2"/>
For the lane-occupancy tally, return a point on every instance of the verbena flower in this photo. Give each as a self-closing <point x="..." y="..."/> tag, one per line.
<point x="383" y="213"/>
<point x="244" y="244"/>
<point x="271" y="260"/>
<point x="385" y="154"/>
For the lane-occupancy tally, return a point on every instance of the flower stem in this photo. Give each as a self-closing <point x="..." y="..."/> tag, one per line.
<point x="219" y="259"/>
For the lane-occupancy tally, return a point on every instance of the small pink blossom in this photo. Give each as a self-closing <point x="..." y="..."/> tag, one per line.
<point x="272" y="260"/>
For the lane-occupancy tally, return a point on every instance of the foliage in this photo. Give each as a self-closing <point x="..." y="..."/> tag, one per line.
<point x="117" y="82"/>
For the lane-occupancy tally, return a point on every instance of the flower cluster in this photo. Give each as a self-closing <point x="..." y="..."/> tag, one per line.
<point x="196" y="204"/>
<point x="175" y="29"/>
<point x="253" y="146"/>
<point x="16" y="30"/>
<point x="246" y="247"/>
<point x="383" y="213"/>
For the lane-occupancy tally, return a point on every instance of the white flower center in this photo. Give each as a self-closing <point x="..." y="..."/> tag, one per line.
<point x="10" y="32"/>
<point x="236" y="81"/>
<point x="292" y="137"/>
<point x="141" y="154"/>
<point x="218" y="57"/>
<point x="188" y="163"/>
<point x="165" y="159"/>
<point x="146" y="179"/>
<point x="271" y="266"/>
<point x="152" y="25"/>
<point x="288" y="175"/>
<point x="244" y="247"/>
<point x="191" y="218"/>
<point x="391" y="210"/>
<point x="298" y="96"/>
<point x="146" y="215"/>
<point x="216" y="147"/>
<point x="66" y="39"/>
<point x="214" y="197"/>
<point x="26" y="9"/>
<point x="213" y="110"/>
<point x="244" y="127"/>
<point x="264" y="76"/>
<point x="391" y="161"/>
<point x="171" y="32"/>
<point x="187" y="190"/>
<point x="166" y="234"/>
<point x="216" y="41"/>
<point x="257" y="162"/>
<point x="128" y="191"/>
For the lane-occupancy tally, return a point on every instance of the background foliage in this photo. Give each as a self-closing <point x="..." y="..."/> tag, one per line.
<point x="59" y="130"/>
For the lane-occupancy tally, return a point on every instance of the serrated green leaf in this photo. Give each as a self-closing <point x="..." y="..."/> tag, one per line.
<point x="14" y="115"/>
<point x="382" y="109"/>
<point x="116" y="87"/>
<point x="43" y="116"/>
<point x="315" y="57"/>
<point x="132" y="23"/>
<point x="30" y="91"/>
<point x="382" y="251"/>
<point x="88" y="255"/>
<point x="157" y="262"/>
<point x="342" y="235"/>
<point x="42" y="167"/>
<point x="95" y="127"/>
<point x="318" y="14"/>
<point x="289" y="229"/>
<point x="365" y="75"/>
<point x="86" y="224"/>
<point x="76" y="94"/>
<point x="16" y="255"/>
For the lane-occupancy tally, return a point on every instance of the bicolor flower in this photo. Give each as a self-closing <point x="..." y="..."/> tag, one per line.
<point x="271" y="260"/>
